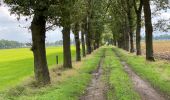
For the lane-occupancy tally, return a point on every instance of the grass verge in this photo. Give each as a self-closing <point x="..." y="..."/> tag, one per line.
<point x="157" y="73"/>
<point x="67" y="84"/>
<point x="121" y="86"/>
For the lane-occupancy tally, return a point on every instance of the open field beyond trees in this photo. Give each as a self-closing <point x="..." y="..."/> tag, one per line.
<point x="161" y="49"/>
<point x="17" y="64"/>
<point x="106" y="74"/>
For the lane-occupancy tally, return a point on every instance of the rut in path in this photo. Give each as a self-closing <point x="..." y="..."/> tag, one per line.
<point x="97" y="88"/>
<point x="145" y="90"/>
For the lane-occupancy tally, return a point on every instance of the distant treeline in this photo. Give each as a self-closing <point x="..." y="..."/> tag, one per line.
<point x="160" y="37"/>
<point x="6" y="44"/>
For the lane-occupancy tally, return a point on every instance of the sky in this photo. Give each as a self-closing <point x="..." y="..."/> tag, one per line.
<point x="12" y="29"/>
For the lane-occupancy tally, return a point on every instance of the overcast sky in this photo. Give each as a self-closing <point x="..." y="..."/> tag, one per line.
<point x="12" y="29"/>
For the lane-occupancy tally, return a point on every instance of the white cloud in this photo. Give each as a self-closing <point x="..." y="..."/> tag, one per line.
<point x="12" y="29"/>
<point x="5" y="12"/>
<point x="3" y="29"/>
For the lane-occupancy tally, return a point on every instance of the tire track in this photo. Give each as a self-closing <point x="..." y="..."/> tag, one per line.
<point x="97" y="88"/>
<point x="144" y="89"/>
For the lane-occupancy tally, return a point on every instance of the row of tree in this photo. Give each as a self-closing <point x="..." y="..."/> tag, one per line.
<point x="85" y="16"/>
<point x="91" y="18"/>
<point x="126" y="18"/>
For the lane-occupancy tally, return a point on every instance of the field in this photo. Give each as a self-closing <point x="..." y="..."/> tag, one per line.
<point x="109" y="73"/>
<point x="161" y="49"/>
<point x="17" y="64"/>
<point x="67" y="86"/>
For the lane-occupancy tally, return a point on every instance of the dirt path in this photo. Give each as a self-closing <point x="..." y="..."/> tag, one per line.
<point x="97" y="88"/>
<point x="143" y="88"/>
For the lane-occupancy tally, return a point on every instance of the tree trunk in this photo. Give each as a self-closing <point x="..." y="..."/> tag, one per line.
<point x="131" y="42"/>
<point x="130" y="26"/>
<point x="119" y="43"/>
<point x="88" y="43"/>
<point x="138" y="37"/>
<point x="41" y="71"/>
<point x="126" y="35"/>
<point x="138" y="11"/>
<point x="148" y="31"/>
<point x="94" y="46"/>
<point x="126" y="40"/>
<point x="88" y="37"/>
<point x="97" y="37"/>
<point x="92" y="39"/>
<point x="115" y="44"/>
<point x="83" y="44"/>
<point x="97" y="44"/>
<point x="66" y="47"/>
<point x="131" y="33"/>
<point x="77" y="41"/>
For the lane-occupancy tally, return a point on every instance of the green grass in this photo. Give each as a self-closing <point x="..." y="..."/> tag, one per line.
<point x="70" y="86"/>
<point x="157" y="73"/>
<point x="17" y="64"/>
<point x="121" y="86"/>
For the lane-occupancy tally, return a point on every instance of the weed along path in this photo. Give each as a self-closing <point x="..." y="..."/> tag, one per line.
<point x="144" y="89"/>
<point x="97" y="88"/>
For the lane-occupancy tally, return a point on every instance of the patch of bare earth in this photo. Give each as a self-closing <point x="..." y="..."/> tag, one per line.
<point x="161" y="49"/>
<point x="144" y="89"/>
<point x="97" y="88"/>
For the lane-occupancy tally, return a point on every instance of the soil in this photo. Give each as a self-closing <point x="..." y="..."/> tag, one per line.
<point x="142" y="87"/>
<point x="97" y="88"/>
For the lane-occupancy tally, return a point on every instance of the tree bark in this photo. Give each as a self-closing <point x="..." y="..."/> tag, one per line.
<point x="129" y="13"/>
<point x="88" y="43"/>
<point x="83" y="43"/>
<point x="97" y="40"/>
<point x="94" y="46"/>
<point x="41" y="71"/>
<point x="148" y="31"/>
<point x="119" y="43"/>
<point x="115" y="43"/>
<point x="138" y="25"/>
<point x="131" y="35"/>
<point x="77" y="41"/>
<point x="126" y="41"/>
<point x="97" y="44"/>
<point x="138" y="37"/>
<point x="125" y="36"/>
<point x="131" y="42"/>
<point x="125" y="32"/>
<point x="66" y="47"/>
<point x="88" y="37"/>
